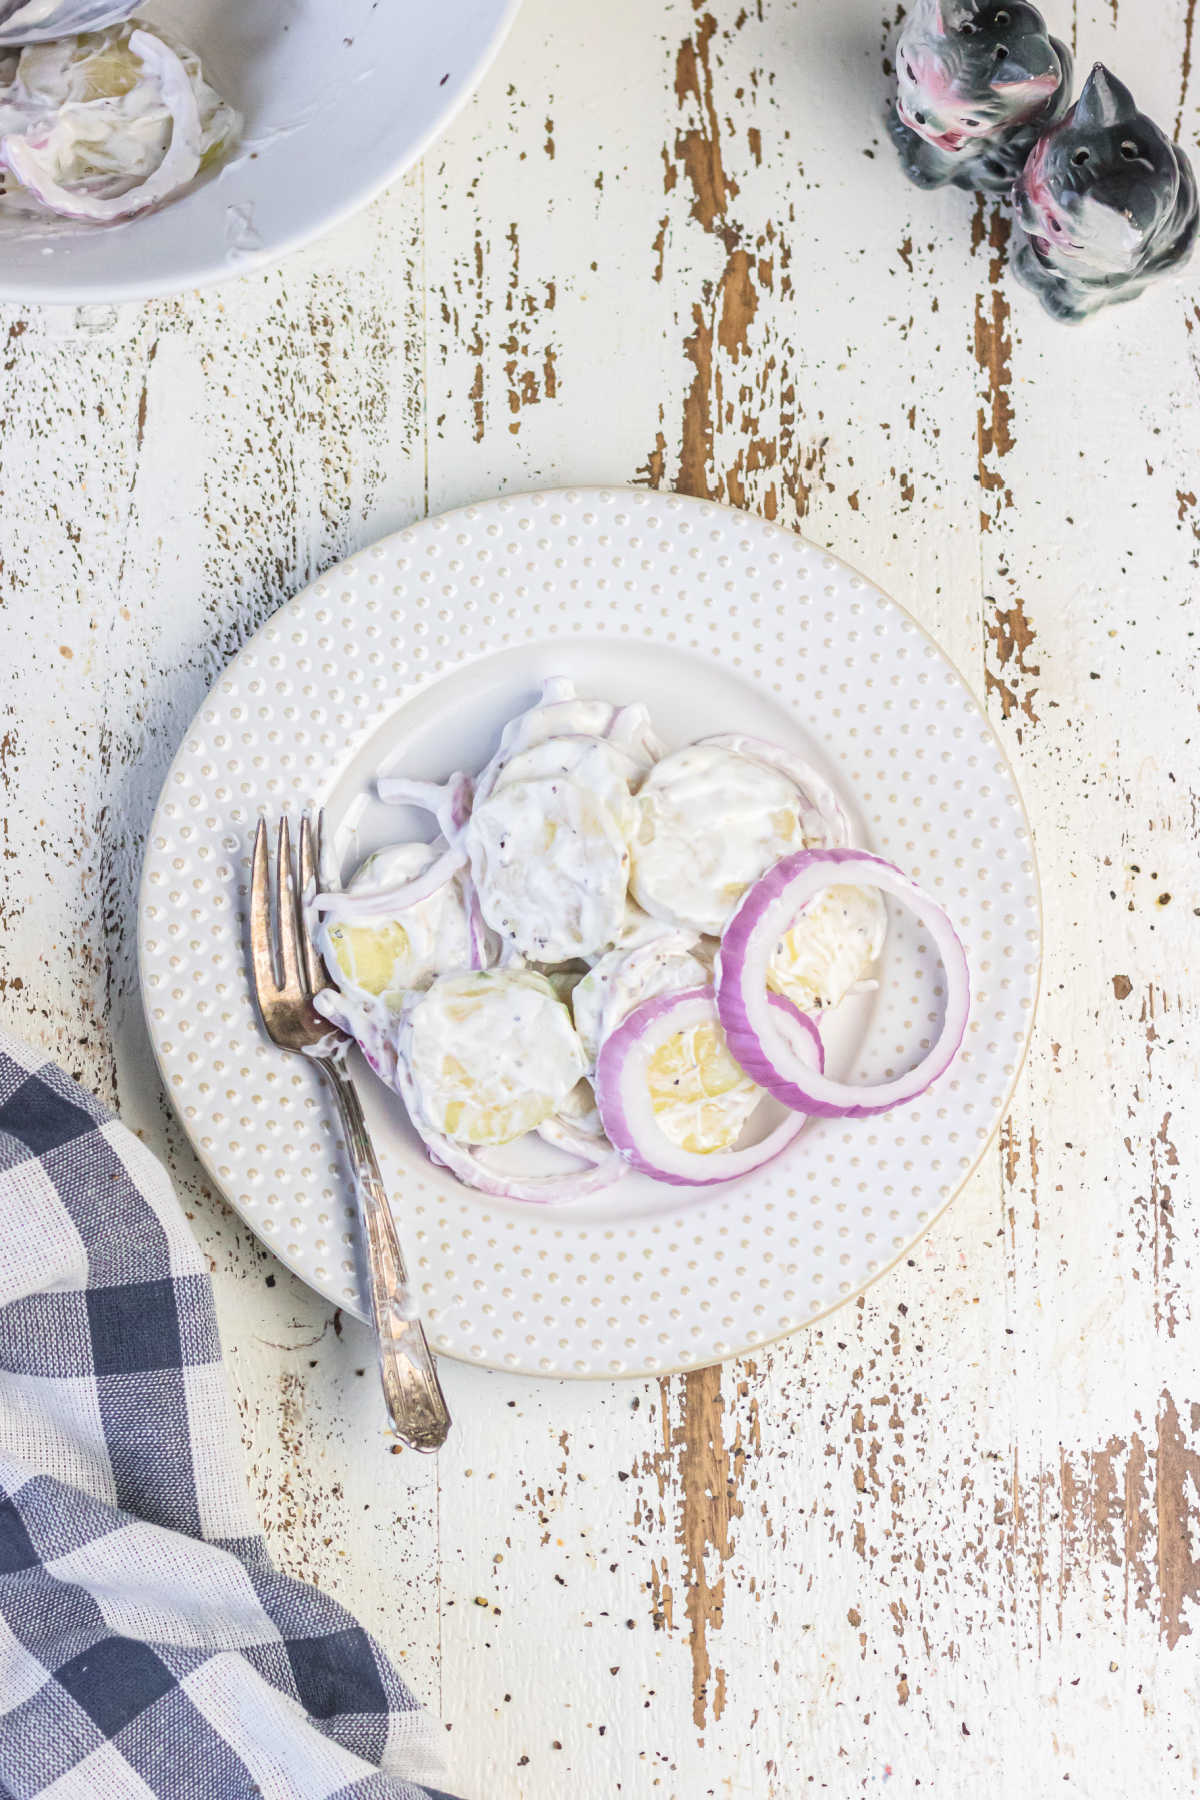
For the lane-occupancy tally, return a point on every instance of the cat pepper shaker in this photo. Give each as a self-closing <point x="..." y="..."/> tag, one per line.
<point x="977" y="83"/>
<point x="1105" y="203"/>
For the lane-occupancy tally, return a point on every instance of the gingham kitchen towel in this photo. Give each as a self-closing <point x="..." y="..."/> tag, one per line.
<point x="147" y="1646"/>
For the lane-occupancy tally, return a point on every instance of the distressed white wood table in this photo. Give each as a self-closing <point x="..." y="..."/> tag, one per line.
<point x="945" y="1542"/>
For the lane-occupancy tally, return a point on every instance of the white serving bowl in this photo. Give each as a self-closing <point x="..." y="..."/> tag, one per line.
<point x="339" y="98"/>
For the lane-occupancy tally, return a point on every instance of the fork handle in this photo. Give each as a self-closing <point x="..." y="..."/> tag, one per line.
<point x="412" y="1392"/>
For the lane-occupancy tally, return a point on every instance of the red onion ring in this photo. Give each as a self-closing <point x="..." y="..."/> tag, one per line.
<point x="743" y="999"/>
<point x="624" y="1106"/>
<point x="359" y="906"/>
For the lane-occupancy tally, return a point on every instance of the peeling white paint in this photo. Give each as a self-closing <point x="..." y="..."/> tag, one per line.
<point x="944" y="1541"/>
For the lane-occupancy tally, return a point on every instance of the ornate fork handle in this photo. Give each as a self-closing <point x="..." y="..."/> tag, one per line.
<point x="411" y="1390"/>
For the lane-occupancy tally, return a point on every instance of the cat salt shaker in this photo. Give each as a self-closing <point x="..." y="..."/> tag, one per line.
<point x="1105" y="203"/>
<point x="978" y="81"/>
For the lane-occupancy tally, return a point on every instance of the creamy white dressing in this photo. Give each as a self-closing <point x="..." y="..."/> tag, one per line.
<point x="622" y="979"/>
<point x="579" y="1108"/>
<point x="491" y="1055"/>
<point x="373" y="1026"/>
<point x="605" y="769"/>
<point x="701" y="1100"/>
<point x="822" y="816"/>
<point x="551" y="867"/>
<point x="637" y="927"/>
<point x="710" y="822"/>
<point x="830" y="948"/>
<point x="386" y="958"/>
<point x="562" y="715"/>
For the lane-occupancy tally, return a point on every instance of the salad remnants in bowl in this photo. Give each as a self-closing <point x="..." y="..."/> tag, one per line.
<point x="623" y="951"/>
<point x="102" y="125"/>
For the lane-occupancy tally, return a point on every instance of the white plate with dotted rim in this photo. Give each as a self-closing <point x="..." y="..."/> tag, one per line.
<point x="412" y="654"/>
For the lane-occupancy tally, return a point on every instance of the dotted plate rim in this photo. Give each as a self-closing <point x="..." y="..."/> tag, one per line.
<point x="174" y="847"/>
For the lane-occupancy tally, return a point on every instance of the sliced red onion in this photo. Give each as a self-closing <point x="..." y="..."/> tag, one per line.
<point x="398" y="790"/>
<point x="449" y="801"/>
<point x="559" y="713"/>
<point x="824" y="819"/>
<point x="360" y="906"/>
<point x="632" y="730"/>
<point x="477" y="931"/>
<point x="621" y="979"/>
<point x="744" y="1002"/>
<point x="469" y="1164"/>
<point x="799" y="1028"/>
<point x="472" y="1167"/>
<point x="458" y="805"/>
<point x="180" y="163"/>
<point x="369" y="1023"/>
<point x="564" y="716"/>
<point x="565" y="1134"/>
<point x="624" y="1101"/>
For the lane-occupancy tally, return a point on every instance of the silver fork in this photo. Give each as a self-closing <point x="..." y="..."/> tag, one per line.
<point x="288" y="971"/>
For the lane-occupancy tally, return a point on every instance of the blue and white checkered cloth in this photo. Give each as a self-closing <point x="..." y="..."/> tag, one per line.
<point x="148" y="1649"/>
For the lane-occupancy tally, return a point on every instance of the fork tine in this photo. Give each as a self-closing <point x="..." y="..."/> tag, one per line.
<point x="266" y="982"/>
<point x="289" y="946"/>
<point x="308" y="887"/>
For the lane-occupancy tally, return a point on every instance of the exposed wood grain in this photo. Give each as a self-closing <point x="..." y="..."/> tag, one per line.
<point x="1055" y="664"/>
<point x="1185" y="63"/>
<point x="946" y="1540"/>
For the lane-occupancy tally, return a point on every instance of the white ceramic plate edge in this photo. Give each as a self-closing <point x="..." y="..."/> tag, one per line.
<point x="662" y="1366"/>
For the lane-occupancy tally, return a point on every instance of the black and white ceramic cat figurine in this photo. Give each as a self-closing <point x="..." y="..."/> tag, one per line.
<point x="977" y="82"/>
<point x="1105" y="203"/>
